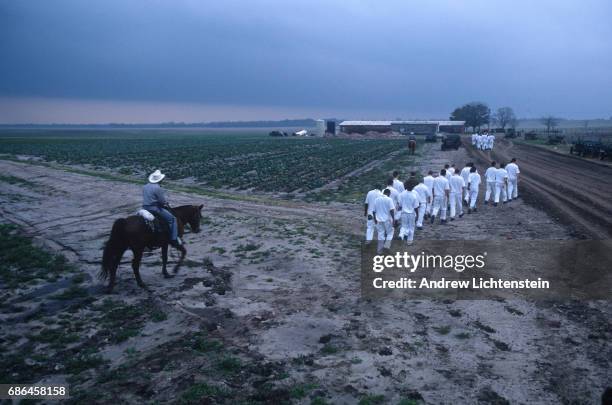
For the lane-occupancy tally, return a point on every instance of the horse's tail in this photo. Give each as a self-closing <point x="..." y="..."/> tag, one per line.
<point x="113" y="247"/>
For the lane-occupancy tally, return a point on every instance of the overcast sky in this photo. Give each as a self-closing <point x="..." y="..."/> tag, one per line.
<point x="188" y="60"/>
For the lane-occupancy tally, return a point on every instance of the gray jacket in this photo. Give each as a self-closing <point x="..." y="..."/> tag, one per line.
<point x="153" y="195"/>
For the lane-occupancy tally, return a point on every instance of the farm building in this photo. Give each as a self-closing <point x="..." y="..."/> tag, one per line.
<point x="403" y="127"/>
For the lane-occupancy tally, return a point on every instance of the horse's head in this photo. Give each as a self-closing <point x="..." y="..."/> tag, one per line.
<point x="194" y="218"/>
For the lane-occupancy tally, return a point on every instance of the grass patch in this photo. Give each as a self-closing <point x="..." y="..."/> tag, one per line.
<point x="301" y="390"/>
<point x="21" y="262"/>
<point x="203" y="393"/>
<point x="442" y="330"/>
<point x="372" y="400"/>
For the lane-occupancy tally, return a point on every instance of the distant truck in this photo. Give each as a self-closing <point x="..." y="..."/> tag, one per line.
<point x="451" y="141"/>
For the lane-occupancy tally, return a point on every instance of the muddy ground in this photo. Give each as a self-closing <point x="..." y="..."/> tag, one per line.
<point x="276" y="283"/>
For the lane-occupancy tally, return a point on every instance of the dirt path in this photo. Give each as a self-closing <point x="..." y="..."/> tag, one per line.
<point x="295" y="295"/>
<point x="576" y="191"/>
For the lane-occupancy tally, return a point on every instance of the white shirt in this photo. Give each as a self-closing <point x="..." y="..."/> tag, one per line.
<point x="465" y="173"/>
<point x="371" y="199"/>
<point x="428" y="181"/>
<point x="394" y="195"/>
<point x="423" y="191"/>
<point x="440" y="185"/>
<point x="456" y="184"/>
<point x="398" y="185"/>
<point x="500" y="175"/>
<point x="448" y="175"/>
<point x="513" y="170"/>
<point x="450" y="170"/>
<point x="382" y="208"/>
<point x="490" y="174"/>
<point x="474" y="181"/>
<point x="409" y="200"/>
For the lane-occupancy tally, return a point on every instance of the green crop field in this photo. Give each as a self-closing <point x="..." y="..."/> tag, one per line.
<point x="218" y="159"/>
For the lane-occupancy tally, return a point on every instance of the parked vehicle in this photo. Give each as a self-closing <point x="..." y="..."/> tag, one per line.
<point x="451" y="141"/>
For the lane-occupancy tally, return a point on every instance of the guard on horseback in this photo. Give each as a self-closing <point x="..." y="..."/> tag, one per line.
<point x="154" y="201"/>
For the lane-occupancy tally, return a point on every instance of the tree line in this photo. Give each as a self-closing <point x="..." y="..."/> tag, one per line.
<point x="477" y="114"/>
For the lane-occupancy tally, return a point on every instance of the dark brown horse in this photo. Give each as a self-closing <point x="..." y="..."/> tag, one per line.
<point x="412" y="146"/>
<point x="133" y="233"/>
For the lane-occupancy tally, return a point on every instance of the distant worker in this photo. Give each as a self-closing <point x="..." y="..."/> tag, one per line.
<point x="154" y="200"/>
<point x="397" y="184"/>
<point x="429" y="182"/>
<point x="474" y="138"/>
<point x="465" y="173"/>
<point x="412" y="181"/>
<point x="369" y="209"/>
<point x="448" y="171"/>
<point x="384" y="216"/>
<point x="501" y="184"/>
<point x="491" y="141"/>
<point x="513" y="174"/>
<point x="424" y="193"/>
<point x="473" y="186"/>
<point x="457" y="187"/>
<point x="409" y="202"/>
<point x="441" y="189"/>
<point x="490" y="179"/>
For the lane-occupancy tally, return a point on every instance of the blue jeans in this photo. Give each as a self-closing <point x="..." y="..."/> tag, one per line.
<point x="167" y="216"/>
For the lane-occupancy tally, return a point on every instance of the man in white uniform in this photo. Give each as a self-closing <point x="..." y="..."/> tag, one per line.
<point x="465" y="174"/>
<point x="369" y="208"/>
<point x="384" y="216"/>
<point x="448" y="171"/>
<point x="513" y="173"/>
<point x="441" y="190"/>
<point x="457" y="185"/>
<point x="424" y="193"/>
<point x="392" y="192"/>
<point x="490" y="179"/>
<point x="429" y="181"/>
<point x="473" y="185"/>
<point x="491" y="141"/>
<point x="501" y="184"/>
<point x="397" y="184"/>
<point x="409" y="202"/>
<point x="474" y="137"/>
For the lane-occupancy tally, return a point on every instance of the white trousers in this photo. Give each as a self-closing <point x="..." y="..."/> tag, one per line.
<point x="370" y="228"/>
<point x="500" y="190"/>
<point x="512" y="188"/>
<point x="473" y="198"/>
<point x="421" y="216"/>
<point x="455" y="204"/>
<point x="439" y="204"/>
<point x="407" y="227"/>
<point x="490" y="190"/>
<point x="385" y="230"/>
<point x="467" y="194"/>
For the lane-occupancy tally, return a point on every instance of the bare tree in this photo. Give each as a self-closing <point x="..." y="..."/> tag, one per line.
<point x="504" y="116"/>
<point x="550" y="122"/>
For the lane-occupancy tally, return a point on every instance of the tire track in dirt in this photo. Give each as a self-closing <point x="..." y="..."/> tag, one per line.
<point x="576" y="191"/>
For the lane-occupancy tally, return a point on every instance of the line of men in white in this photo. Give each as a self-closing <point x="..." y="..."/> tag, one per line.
<point x="432" y="196"/>
<point x="483" y="141"/>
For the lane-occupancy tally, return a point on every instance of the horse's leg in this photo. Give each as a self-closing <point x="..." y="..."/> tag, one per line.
<point x="164" y="250"/>
<point x="180" y="261"/>
<point x="113" y="273"/>
<point x="136" y="267"/>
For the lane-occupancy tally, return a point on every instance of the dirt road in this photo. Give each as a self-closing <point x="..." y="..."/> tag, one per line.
<point x="576" y="191"/>
<point x="295" y="297"/>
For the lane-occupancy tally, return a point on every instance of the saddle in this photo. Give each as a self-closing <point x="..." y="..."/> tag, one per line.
<point x="156" y="223"/>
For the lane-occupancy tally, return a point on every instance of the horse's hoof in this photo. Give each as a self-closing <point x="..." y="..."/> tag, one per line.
<point x="167" y="275"/>
<point x="108" y="291"/>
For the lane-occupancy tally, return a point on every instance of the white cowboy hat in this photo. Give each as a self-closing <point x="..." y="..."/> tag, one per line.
<point x="156" y="177"/>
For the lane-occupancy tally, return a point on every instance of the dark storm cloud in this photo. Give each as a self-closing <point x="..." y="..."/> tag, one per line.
<point x="408" y="58"/>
